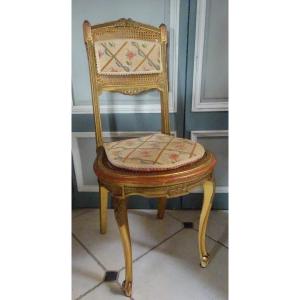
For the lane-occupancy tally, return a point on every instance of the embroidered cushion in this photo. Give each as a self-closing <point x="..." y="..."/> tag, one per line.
<point x="127" y="57"/>
<point x="153" y="153"/>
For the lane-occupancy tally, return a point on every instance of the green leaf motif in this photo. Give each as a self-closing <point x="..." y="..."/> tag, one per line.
<point x="152" y="64"/>
<point x="118" y="63"/>
<point x="107" y="53"/>
<point x="141" y="53"/>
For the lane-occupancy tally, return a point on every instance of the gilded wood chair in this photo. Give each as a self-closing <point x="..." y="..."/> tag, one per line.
<point x="129" y="57"/>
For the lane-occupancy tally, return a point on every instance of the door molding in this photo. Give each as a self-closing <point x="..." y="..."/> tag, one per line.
<point x="197" y="103"/>
<point x="195" y="134"/>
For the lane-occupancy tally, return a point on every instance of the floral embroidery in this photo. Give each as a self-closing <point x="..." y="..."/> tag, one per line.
<point x="153" y="152"/>
<point x="100" y="53"/>
<point x="179" y="145"/>
<point x="130" y="55"/>
<point x="146" y="153"/>
<point x="174" y="156"/>
<point x="125" y="56"/>
<point x="112" y="69"/>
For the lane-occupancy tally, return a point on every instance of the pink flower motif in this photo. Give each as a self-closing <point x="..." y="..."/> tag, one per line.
<point x="179" y="145"/>
<point x="112" y="69"/>
<point x="174" y="156"/>
<point x="146" y="153"/>
<point x="100" y="53"/>
<point x="130" y="55"/>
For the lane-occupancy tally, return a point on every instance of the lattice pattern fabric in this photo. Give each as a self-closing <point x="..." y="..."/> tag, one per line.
<point x="127" y="56"/>
<point x="153" y="153"/>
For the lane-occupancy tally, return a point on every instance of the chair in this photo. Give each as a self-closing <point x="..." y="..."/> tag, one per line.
<point x="128" y="57"/>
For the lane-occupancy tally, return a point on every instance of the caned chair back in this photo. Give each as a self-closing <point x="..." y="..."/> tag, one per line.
<point x="127" y="57"/>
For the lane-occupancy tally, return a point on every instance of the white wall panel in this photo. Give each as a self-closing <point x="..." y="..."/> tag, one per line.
<point x="210" y="83"/>
<point x="217" y="142"/>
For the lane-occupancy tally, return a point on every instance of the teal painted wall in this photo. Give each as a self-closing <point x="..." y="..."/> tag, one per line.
<point x="183" y="121"/>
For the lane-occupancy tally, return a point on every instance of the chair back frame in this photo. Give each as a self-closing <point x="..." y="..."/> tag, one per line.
<point x="131" y="84"/>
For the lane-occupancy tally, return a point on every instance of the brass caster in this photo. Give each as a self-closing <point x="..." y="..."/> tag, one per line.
<point x="204" y="261"/>
<point x="127" y="288"/>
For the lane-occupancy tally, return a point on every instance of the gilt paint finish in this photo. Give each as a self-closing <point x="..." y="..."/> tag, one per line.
<point x="182" y="123"/>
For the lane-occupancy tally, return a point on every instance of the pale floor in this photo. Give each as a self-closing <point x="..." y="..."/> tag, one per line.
<point x="166" y="259"/>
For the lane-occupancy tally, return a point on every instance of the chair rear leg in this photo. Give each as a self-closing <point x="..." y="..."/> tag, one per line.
<point x="161" y="207"/>
<point x="103" y="200"/>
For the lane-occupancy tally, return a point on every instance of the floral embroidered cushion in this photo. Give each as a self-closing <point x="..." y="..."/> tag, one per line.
<point x="127" y="57"/>
<point x="153" y="153"/>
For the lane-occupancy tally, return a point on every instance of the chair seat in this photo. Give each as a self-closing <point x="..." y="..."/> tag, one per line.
<point x="156" y="152"/>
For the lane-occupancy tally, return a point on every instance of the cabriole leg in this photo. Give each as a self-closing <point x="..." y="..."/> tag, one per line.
<point x="161" y="208"/>
<point x="103" y="199"/>
<point x="208" y="189"/>
<point x="120" y="207"/>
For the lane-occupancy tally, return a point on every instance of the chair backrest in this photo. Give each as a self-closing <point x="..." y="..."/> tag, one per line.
<point x="127" y="57"/>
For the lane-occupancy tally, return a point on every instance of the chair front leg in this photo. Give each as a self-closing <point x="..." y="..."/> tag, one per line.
<point x="161" y="207"/>
<point x="208" y="189"/>
<point x="120" y="208"/>
<point x="103" y="199"/>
